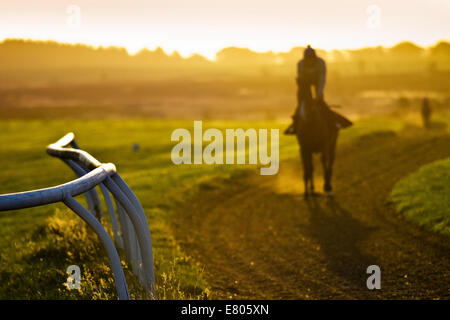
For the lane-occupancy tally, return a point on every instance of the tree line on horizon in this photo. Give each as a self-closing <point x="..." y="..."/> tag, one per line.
<point x="32" y="54"/>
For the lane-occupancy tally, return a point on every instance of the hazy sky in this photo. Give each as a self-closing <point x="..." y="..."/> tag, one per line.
<point x="206" y="26"/>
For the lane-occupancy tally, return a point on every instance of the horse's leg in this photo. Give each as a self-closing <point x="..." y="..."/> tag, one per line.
<point x="328" y="166"/>
<point x="326" y="172"/>
<point x="311" y="173"/>
<point x="304" y="156"/>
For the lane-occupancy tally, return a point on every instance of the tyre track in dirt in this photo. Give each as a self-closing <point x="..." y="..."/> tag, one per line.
<point x="257" y="236"/>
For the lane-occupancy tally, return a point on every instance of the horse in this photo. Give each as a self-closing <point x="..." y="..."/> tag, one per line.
<point x="317" y="132"/>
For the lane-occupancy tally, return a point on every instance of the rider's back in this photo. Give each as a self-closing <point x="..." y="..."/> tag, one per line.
<point x="311" y="73"/>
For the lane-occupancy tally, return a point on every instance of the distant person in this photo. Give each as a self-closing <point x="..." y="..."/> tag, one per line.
<point x="311" y="72"/>
<point x="426" y="112"/>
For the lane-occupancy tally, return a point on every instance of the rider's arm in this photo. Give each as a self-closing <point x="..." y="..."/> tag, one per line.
<point x="322" y="79"/>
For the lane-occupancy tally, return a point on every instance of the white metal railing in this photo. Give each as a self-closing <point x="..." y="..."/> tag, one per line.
<point x="131" y="232"/>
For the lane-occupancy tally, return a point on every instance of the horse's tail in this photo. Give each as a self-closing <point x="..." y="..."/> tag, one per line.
<point x="339" y="120"/>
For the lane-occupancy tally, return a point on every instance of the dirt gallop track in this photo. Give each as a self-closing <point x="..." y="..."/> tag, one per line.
<point x="257" y="237"/>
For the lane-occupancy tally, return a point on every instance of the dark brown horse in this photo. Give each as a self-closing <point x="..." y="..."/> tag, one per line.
<point x="317" y="131"/>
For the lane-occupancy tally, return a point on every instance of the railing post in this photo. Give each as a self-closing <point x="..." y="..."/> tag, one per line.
<point x="116" y="266"/>
<point x="142" y="231"/>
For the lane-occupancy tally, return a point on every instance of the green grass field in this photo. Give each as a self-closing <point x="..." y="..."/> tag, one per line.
<point x="424" y="196"/>
<point x="37" y="244"/>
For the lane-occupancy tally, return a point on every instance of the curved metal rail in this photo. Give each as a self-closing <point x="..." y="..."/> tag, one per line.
<point x="131" y="231"/>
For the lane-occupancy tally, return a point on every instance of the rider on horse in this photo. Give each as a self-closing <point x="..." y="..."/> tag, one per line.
<point x="311" y="71"/>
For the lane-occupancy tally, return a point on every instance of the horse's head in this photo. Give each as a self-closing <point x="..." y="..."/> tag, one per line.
<point x="307" y="108"/>
<point x="307" y="103"/>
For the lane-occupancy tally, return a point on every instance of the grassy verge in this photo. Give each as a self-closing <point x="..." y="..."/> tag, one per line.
<point x="424" y="196"/>
<point x="37" y="244"/>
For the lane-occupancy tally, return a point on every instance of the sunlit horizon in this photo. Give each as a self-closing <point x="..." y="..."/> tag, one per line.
<point x="212" y="56"/>
<point x="206" y="27"/>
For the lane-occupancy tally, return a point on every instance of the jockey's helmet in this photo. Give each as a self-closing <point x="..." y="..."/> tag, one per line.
<point x="309" y="52"/>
